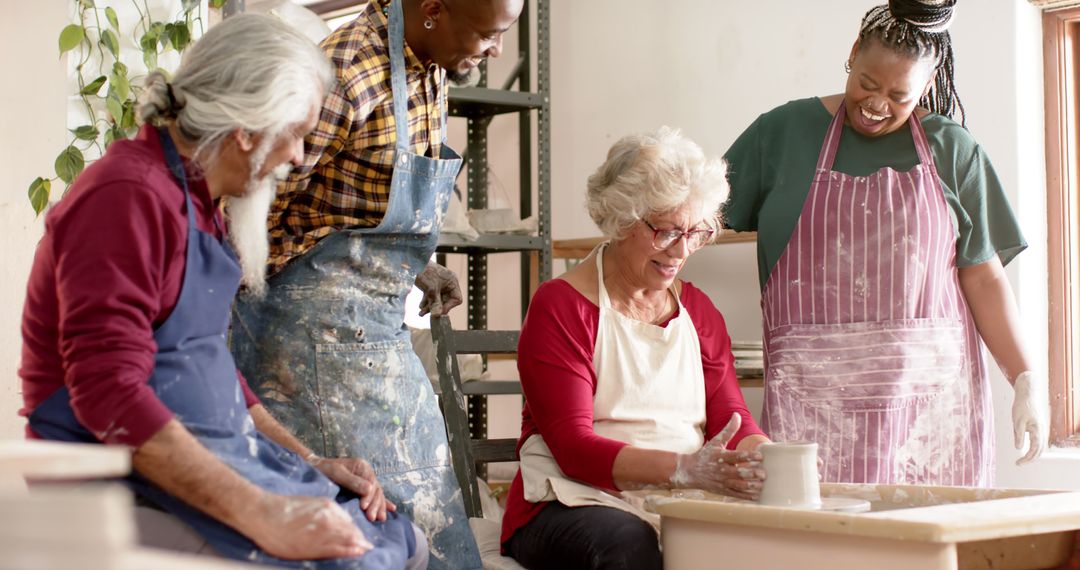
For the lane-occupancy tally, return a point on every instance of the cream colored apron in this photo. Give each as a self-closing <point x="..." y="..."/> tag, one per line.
<point x="650" y="393"/>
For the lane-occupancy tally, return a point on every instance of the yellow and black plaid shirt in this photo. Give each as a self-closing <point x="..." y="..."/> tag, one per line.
<point x="348" y="159"/>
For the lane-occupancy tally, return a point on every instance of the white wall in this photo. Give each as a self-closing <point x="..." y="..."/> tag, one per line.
<point x="32" y="121"/>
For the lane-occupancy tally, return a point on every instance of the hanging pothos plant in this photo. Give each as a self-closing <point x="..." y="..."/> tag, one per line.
<point x="106" y="87"/>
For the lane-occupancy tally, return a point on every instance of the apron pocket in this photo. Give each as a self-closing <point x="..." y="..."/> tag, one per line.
<point x="871" y="366"/>
<point x="376" y="403"/>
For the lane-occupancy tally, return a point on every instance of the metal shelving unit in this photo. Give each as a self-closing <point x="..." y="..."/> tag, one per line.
<point x="478" y="105"/>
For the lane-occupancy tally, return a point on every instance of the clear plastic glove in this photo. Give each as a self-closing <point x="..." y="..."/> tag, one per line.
<point x="304" y="528"/>
<point x="357" y="476"/>
<point x="1030" y="414"/>
<point x="716" y="469"/>
<point x="440" y="288"/>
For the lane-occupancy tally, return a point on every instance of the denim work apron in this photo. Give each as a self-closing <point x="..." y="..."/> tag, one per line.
<point x="195" y="376"/>
<point x="329" y="354"/>
<point x="870" y="348"/>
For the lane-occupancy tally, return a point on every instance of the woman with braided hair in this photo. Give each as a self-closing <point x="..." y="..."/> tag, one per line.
<point x="882" y="232"/>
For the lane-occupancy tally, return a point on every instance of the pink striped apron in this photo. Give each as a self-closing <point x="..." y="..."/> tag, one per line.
<point x="870" y="349"/>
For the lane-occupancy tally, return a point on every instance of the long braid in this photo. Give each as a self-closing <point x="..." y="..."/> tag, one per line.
<point x="919" y="28"/>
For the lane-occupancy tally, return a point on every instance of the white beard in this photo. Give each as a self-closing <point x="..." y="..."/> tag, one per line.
<point x="247" y="224"/>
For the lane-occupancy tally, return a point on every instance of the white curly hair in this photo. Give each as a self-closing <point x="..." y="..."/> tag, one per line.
<point x="652" y="173"/>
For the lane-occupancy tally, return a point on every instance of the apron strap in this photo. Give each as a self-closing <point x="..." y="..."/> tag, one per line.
<point x="922" y="145"/>
<point x="605" y="301"/>
<point x="827" y="156"/>
<point x="396" y="33"/>
<point x="176" y="166"/>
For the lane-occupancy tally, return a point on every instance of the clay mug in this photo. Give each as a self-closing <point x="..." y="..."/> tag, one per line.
<point x="791" y="475"/>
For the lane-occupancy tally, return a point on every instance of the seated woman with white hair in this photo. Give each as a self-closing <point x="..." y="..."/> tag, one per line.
<point x="627" y="371"/>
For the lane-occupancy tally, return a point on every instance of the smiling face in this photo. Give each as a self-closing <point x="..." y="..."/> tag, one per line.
<point x="644" y="266"/>
<point x="467" y="31"/>
<point x="884" y="87"/>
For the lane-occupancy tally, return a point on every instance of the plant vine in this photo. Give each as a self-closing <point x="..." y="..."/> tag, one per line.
<point x="112" y="115"/>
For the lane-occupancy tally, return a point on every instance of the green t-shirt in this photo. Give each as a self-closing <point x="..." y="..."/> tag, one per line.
<point x="771" y="164"/>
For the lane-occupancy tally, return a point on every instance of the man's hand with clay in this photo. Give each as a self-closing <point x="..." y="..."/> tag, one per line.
<point x="440" y="288"/>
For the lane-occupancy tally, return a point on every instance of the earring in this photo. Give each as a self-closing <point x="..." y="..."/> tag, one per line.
<point x="429" y="24"/>
<point x="847" y="66"/>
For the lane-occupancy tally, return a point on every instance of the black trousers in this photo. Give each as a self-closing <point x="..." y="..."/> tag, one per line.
<point x="593" y="538"/>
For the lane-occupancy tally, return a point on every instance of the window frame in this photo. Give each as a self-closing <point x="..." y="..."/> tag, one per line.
<point x="1061" y="57"/>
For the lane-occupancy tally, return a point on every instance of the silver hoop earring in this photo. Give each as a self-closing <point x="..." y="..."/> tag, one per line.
<point x="847" y="66"/>
<point x="429" y="24"/>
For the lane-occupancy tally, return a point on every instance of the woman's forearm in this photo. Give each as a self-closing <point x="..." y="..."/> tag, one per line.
<point x="997" y="318"/>
<point x="636" y="468"/>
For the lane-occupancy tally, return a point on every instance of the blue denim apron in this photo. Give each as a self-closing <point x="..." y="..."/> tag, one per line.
<point x="195" y="376"/>
<point x="328" y="353"/>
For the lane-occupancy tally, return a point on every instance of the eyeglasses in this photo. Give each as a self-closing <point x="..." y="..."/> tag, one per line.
<point x="663" y="239"/>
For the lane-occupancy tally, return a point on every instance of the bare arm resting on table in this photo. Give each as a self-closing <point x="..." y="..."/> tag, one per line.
<point x="352" y="473"/>
<point x="287" y="527"/>
<point x="990" y="298"/>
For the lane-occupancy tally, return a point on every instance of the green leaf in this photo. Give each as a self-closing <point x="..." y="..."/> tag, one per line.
<point x="166" y="35"/>
<point x="149" y="58"/>
<point x="128" y="121"/>
<point x="69" y="164"/>
<point x="149" y="41"/>
<point x="70" y="37"/>
<point x="217" y="3"/>
<point x="108" y="39"/>
<point x="86" y="133"/>
<point x="115" y="105"/>
<point x="110" y="15"/>
<point x="181" y="36"/>
<point x="39" y="194"/>
<point x="111" y="135"/>
<point x="93" y="87"/>
<point x="87" y="3"/>
<point x="119" y="81"/>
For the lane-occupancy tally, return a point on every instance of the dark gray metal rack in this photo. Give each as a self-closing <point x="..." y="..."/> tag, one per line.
<point x="478" y="105"/>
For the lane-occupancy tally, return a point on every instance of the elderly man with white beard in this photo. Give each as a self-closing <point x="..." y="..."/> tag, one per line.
<point x="127" y="310"/>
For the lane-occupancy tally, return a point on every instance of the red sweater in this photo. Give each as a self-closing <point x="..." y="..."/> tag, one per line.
<point x="555" y="356"/>
<point x="106" y="274"/>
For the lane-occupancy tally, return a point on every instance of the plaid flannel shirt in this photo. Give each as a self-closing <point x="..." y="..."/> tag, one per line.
<point x="344" y="180"/>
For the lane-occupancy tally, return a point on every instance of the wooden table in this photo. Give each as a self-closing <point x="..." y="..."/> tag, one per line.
<point x="55" y="461"/>
<point x="87" y="525"/>
<point x="909" y="527"/>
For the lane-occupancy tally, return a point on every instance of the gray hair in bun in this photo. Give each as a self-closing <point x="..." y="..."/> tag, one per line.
<point x="918" y="29"/>
<point x="250" y="72"/>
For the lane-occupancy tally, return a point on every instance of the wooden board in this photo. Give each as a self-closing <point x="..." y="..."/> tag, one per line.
<point x="54" y="460"/>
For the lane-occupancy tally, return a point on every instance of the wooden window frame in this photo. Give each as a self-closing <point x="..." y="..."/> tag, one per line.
<point x="1061" y="58"/>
